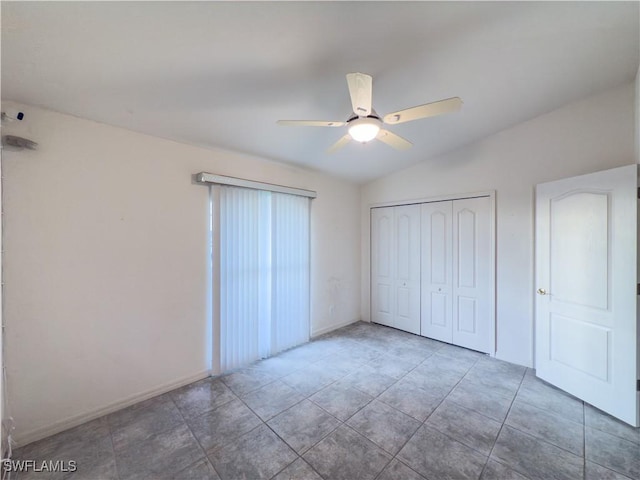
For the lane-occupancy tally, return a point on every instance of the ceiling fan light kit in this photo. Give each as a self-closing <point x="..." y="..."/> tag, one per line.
<point x="366" y="125"/>
<point x="364" y="129"/>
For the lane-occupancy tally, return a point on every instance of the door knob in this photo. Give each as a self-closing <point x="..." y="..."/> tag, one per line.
<point x="542" y="291"/>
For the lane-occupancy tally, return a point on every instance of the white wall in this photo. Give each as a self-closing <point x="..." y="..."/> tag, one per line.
<point x="594" y="134"/>
<point x="638" y="115"/>
<point x="105" y="264"/>
<point x="4" y="434"/>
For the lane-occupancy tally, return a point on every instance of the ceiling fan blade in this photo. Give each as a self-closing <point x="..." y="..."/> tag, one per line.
<point x="339" y="144"/>
<point x="423" y="111"/>
<point x="310" y="123"/>
<point x="393" y="140"/>
<point x="360" y="90"/>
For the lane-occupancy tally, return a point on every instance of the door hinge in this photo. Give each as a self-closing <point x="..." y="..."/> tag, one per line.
<point x="638" y="192"/>
<point x="638" y="289"/>
<point x="638" y="386"/>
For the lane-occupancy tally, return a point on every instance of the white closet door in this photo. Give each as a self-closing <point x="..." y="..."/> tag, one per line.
<point x="473" y="275"/>
<point x="437" y="271"/>
<point x="382" y="280"/>
<point x="407" y="268"/>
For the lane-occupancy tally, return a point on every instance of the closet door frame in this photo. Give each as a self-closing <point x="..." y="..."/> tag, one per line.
<point x="492" y="219"/>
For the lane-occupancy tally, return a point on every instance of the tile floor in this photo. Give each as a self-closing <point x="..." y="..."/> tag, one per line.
<point x="364" y="402"/>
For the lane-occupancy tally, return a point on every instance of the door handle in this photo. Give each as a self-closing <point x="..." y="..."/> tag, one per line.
<point x="541" y="291"/>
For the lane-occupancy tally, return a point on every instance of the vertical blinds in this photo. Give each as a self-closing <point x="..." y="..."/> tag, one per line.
<point x="263" y="247"/>
<point x="290" y="271"/>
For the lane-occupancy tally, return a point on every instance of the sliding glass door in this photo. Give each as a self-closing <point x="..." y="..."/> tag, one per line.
<point x="261" y="274"/>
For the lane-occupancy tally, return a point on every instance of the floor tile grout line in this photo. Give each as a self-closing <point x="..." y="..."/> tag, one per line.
<point x="626" y="476"/>
<point x="113" y="449"/>
<point x="479" y="413"/>
<point x="375" y="444"/>
<point x="238" y="394"/>
<point x="433" y="427"/>
<point x="299" y="458"/>
<point x="609" y="432"/>
<point x="502" y="426"/>
<point x="280" y="412"/>
<point x="151" y="402"/>
<point x="285" y="467"/>
<point x="206" y="456"/>
<point x="354" y="413"/>
<point x="399" y="460"/>
<point x="340" y="423"/>
<point x="550" y="412"/>
<point x="264" y="422"/>
<point x="423" y="423"/>
<point x="535" y="437"/>
<point x="298" y="455"/>
<point x="393" y="455"/>
<point x="155" y="433"/>
<point x="375" y="397"/>
<point x="383" y="469"/>
<point x="344" y="422"/>
<point x="480" y="384"/>
<point x="545" y="440"/>
<point x="234" y="439"/>
<point x="398" y="379"/>
<point x="207" y="412"/>
<point x="584" y="441"/>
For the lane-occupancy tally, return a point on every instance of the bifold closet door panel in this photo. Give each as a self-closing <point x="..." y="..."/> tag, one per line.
<point x="473" y="278"/>
<point x="437" y="271"/>
<point x="382" y="265"/>
<point x="407" y="268"/>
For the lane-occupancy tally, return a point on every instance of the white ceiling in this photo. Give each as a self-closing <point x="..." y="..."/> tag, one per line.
<point x="221" y="73"/>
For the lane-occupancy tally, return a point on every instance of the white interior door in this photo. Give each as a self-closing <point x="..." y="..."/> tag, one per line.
<point x="586" y="320"/>
<point x="407" y="268"/>
<point x="382" y="280"/>
<point x="437" y="271"/>
<point x="473" y="274"/>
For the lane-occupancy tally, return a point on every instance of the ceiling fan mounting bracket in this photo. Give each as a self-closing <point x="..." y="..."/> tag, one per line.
<point x="354" y="116"/>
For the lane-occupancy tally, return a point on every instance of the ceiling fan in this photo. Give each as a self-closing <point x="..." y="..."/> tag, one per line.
<point x="365" y="124"/>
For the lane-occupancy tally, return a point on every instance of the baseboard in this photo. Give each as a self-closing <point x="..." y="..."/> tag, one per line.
<point x="62" y="425"/>
<point x="322" y="331"/>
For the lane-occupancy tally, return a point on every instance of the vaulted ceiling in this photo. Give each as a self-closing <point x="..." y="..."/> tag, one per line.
<point x="222" y="73"/>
